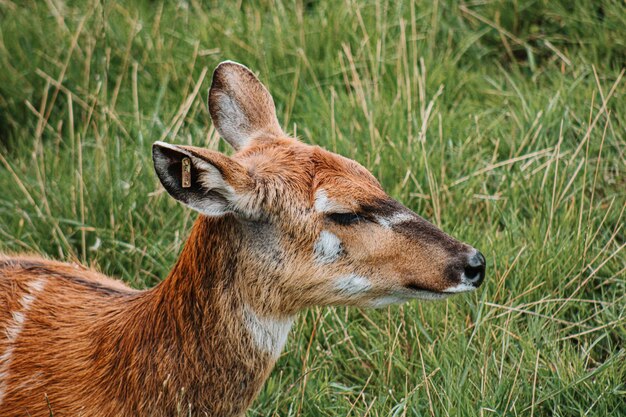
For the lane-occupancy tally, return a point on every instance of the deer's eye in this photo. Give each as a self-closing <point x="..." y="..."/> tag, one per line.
<point x="345" y="219"/>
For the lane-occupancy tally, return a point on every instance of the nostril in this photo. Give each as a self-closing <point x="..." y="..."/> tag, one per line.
<point x="474" y="272"/>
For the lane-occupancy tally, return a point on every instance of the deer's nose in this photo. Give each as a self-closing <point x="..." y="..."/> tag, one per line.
<point x="474" y="271"/>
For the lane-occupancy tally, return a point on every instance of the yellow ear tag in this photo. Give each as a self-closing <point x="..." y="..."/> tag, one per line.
<point x="186" y="172"/>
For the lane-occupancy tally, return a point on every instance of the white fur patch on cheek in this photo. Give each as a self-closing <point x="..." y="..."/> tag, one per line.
<point x="327" y="247"/>
<point x="353" y="284"/>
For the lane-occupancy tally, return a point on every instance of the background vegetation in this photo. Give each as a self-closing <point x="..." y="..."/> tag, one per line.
<point x="501" y="121"/>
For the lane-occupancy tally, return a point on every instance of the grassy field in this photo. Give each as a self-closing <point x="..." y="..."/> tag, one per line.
<point x="501" y="121"/>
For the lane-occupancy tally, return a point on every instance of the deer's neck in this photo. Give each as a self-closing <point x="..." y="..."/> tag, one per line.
<point x="219" y="347"/>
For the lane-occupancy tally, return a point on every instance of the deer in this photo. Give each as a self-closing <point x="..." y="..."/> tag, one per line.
<point x="282" y="226"/>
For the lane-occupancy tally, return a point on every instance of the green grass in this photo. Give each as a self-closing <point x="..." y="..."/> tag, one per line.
<point x="501" y="121"/>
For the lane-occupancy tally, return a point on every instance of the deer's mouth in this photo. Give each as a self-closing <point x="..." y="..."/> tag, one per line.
<point x="417" y="291"/>
<point x="418" y="287"/>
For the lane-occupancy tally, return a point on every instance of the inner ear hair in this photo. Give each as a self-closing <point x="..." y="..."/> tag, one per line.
<point x="169" y="163"/>
<point x="204" y="180"/>
<point x="241" y="108"/>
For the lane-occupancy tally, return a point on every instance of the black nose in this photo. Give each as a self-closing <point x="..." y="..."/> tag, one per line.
<point x="474" y="271"/>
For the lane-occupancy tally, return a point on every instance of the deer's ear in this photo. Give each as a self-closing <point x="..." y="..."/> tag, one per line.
<point x="241" y="107"/>
<point x="206" y="181"/>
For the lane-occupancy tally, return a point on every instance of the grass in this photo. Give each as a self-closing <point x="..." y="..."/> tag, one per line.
<point x="501" y="121"/>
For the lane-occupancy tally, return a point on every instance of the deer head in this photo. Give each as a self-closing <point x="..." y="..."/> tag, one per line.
<point x="316" y="228"/>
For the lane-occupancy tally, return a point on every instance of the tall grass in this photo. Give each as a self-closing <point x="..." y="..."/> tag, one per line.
<point x="501" y="121"/>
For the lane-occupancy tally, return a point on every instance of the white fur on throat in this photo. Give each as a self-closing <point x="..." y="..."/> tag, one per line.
<point x="268" y="334"/>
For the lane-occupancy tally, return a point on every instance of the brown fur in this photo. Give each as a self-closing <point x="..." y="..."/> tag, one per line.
<point x="124" y="352"/>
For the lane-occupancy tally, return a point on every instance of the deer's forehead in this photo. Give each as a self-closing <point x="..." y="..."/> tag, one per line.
<point x="309" y="169"/>
<point x="339" y="178"/>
